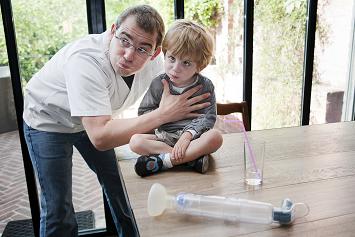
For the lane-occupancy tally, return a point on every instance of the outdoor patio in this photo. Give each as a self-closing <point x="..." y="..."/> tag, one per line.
<point x="14" y="203"/>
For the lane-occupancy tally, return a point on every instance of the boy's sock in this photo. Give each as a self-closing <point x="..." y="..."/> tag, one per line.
<point x="166" y="161"/>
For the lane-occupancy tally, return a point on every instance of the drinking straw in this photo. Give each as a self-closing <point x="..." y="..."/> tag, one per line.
<point x="246" y="139"/>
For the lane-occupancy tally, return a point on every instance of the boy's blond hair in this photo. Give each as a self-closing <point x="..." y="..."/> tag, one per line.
<point x="186" y="38"/>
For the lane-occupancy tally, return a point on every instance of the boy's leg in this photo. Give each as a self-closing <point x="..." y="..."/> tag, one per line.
<point x="201" y="164"/>
<point x="51" y="156"/>
<point x="149" y="147"/>
<point x="207" y="143"/>
<point x="146" y="144"/>
<point x="105" y="165"/>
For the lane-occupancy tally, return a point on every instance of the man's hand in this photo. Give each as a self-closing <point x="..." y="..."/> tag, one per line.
<point x="176" y="107"/>
<point x="180" y="147"/>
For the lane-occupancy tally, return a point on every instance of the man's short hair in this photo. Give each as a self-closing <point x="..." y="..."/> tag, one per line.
<point x="147" y="18"/>
<point x="186" y="38"/>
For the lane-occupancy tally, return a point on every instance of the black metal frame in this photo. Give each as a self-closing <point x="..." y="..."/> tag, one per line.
<point x="179" y="9"/>
<point x="353" y="69"/>
<point x="96" y="16"/>
<point x="11" y="45"/>
<point x="248" y="55"/>
<point x="308" y="60"/>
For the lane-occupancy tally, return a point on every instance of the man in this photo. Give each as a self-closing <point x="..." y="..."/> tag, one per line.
<point x="70" y="102"/>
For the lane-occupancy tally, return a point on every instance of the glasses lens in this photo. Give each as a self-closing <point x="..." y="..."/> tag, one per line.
<point x="142" y="52"/>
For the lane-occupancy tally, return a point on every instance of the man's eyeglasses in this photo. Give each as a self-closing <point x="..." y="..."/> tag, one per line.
<point x="125" y="43"/>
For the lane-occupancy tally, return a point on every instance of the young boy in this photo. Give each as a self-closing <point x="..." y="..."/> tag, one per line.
<point x="188" y="49"/>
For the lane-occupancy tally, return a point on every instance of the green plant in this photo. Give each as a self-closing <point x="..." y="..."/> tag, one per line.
<point x="206" y="12"/>
<point x="279" y="35"/>
<point x="164" y="7"/>
<point x="3" y="51"/>
<point x="42" y="28"/>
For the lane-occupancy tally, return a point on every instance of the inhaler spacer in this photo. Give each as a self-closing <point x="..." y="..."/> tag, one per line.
<point x="230" y="209"/>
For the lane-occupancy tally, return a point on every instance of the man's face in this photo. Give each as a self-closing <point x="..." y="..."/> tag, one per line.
<point x="131" y="47"/>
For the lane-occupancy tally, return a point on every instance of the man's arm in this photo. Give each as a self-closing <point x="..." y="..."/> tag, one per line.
<point x="106" y="133"/>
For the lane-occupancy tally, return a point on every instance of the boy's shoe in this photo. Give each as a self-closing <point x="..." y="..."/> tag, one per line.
<point x="201" y="164"/>
<point x="147" y="165"/>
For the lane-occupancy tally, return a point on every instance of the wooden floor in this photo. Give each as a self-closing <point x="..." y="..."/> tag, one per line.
<point x="14" y="204"/>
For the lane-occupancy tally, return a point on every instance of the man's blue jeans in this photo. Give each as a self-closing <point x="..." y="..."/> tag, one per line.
<point x="51" y="156"/>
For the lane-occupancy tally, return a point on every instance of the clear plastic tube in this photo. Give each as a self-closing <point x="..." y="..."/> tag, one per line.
<point x="231" y="209"/>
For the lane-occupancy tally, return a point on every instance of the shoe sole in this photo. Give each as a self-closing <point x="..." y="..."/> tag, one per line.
<point x="141" y="166"/>
<point x="205" y="164"/>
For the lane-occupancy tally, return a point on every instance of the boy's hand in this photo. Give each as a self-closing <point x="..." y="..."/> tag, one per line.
<point x="176" y="107"/>
<point x="178" y="152"/>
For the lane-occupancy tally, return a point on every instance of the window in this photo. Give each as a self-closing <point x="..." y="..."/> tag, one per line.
<point x="332" y="55"/>
<point x="14" y="203"/>
<point x="279" y="32"/>
<point x="114" y="8"/>
<point x="43" y="27"/>
<point x="226" y="25"/>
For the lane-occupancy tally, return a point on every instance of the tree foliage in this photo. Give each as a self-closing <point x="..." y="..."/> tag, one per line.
<point x="42" y="28"/>
<point x="279" y="40"/>
<point x="206" y="12"/>
<point x="164" y="7"/>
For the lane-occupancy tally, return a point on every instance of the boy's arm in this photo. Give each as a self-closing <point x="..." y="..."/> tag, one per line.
<point x="181" y="145"/>
<point x="207" y="118"/>
<point x="152" y="97"/>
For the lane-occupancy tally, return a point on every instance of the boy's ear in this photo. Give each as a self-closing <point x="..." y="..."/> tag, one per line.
<point x="156" y="53"/>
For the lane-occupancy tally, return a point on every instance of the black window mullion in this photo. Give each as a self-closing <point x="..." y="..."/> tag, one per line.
<point x="96" y="16"/>
<point x="248" y="54"/>
<point x="97" y="24"/>
<point x="110" y="224"/>
<point x="179" y="9"/>
<point x="11" y="45"/>
<point x="308" y="60"/>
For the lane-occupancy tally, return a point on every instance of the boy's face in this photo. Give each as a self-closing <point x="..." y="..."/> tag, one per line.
<point x="179" y="70"/>
<point x="131" y="47"/>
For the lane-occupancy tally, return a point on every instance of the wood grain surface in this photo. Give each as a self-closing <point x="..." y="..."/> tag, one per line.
<point x="312" y="164"/>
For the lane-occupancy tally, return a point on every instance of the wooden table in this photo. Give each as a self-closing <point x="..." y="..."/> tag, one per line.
<point x="312" y="164"/>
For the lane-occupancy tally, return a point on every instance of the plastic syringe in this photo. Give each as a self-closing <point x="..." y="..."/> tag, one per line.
<point x="231" y="209"/>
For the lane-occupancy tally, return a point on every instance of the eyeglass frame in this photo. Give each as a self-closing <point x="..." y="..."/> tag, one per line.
<point x="142" y="53"/>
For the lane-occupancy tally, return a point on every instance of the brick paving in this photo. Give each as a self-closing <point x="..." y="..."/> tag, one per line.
<point x="14" y="204"/>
